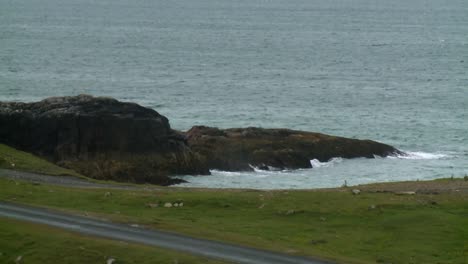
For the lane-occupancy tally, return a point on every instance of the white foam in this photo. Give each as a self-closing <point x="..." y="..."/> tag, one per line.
<point x="226" y="173"/>
<point x="419" y="155"/>
<point x="317" y="164"/>
<point x="270" y="169"/>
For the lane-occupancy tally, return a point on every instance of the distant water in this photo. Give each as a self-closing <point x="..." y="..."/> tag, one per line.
<point x="393" y="71"/>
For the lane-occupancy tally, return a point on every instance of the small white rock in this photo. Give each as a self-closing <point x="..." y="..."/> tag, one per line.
<point x="406" y="193"/>
<point x="181" y="204"/>
<point x="175" y="205"/>
<point x="290" y="212"/>
<point x="152" y="205"/>
<point x="168" y="205"/>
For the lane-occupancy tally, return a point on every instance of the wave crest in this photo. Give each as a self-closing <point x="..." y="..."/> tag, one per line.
<point x="317" y="164"/>
<point x="419" y="155"/>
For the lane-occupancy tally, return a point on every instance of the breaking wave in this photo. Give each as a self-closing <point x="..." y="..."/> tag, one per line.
<point x="419" y="155"/>
<point x="317" y="164"/>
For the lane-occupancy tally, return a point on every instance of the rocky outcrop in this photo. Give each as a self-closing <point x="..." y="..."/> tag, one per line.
<point x="106" y="139"/>
<point x="239" y="149"/>
<point x="100" y="137"/>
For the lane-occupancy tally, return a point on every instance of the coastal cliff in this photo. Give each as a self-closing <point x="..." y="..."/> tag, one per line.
<point x="100" y="137"/>
<point x="103" y="138"/>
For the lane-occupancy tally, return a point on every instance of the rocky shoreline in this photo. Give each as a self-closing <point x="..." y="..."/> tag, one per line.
<point x="103" y="138"/>
<point x="241" y="149"/>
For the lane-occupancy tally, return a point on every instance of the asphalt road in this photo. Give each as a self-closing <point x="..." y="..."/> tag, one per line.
<point x="206" y="248"/>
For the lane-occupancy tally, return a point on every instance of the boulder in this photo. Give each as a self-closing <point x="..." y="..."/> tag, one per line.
<point x="99" y="137"/>
<point x="240" y="149"/>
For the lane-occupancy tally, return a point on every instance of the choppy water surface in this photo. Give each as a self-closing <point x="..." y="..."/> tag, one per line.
<point x="393" y="71"/>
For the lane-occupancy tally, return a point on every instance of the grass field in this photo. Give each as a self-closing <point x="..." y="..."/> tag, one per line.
<point x="365" y="228"/>
<point x="13" y="159"/>
<point x="41" y="244"/>
<point x="370" y="227"/>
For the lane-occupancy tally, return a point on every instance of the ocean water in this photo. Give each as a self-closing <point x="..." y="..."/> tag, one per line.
<point x="392" y="71"/>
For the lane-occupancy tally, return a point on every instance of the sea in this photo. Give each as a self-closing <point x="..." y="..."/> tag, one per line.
<point x="391" y="71"/>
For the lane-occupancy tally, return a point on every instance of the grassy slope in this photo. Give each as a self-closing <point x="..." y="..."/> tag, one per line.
<point x="11" y="158"/>
<point x="335" y="225"/>
<point x="41" y="244"/>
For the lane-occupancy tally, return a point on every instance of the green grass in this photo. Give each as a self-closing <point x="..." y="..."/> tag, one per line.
<point x="14" y="159"/>
<point x="367" y="228"/>
<point x="41" y="244"/>
<point x="336" y="225"/>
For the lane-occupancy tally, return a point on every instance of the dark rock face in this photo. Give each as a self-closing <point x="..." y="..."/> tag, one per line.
<point x="107" y="139"/>
<point x="239" y="148"/>
<point x="99" y="137"/>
